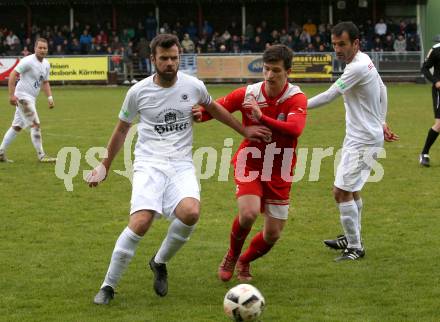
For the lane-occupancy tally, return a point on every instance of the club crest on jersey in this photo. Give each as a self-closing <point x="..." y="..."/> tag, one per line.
<point x="281" y="117"/>
<point x="170" y="117"/>
<point x="184" y="97"/>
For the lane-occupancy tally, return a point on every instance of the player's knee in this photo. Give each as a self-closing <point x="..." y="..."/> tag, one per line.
<point x="272" y="235"/>
<point x="248" y="215"/>
<point x="16" y="128"/>
<point x="436" y="126"/>
<point x="140" y="222"/>
<point x="191" y="216"/>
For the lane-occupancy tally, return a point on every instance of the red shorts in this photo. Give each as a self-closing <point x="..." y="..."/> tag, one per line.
<point x="275" y="192"/>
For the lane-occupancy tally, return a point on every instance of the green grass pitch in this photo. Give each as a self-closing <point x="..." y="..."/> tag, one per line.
<point x="55" y="245"/>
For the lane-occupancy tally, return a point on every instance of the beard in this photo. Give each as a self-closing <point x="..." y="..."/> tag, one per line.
<point x="166" y="75"/>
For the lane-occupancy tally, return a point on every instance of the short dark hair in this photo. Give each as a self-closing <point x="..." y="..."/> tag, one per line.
<point x="279" y="52"/>
<point x="348" y="26"/>
<point x="40" y="40"/>
<point x="164" y="41"/>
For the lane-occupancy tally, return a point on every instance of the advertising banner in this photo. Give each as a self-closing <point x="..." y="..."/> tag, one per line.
<point x="209" y="67"/>
<point x="78" y="68"/>
<point x="311" y="66"/>
<point x="7" y="65"/>
<point x="318" y="66"/>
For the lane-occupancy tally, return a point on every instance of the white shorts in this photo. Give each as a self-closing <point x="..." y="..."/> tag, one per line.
<point x="161" y="186"/>
<point x="355" y="165"/>
<point x="25" y="114"/>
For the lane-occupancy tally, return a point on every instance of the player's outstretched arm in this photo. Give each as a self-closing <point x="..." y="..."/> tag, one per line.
<point x="323" y="98"/>
<point x="250" y="132"/>
<point x="48" y="91"/>
<point x="114" y="145"/>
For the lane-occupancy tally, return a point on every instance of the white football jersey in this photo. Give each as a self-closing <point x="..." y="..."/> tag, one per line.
<point x="165" y="116"/>
<point x="32" y="74"/>
<point x="360" y="85"/>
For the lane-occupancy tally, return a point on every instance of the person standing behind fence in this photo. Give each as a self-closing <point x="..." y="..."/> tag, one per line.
<point x="143" y="53"/>
<point x="432" y="60"/>
<point x="127" y="58"/>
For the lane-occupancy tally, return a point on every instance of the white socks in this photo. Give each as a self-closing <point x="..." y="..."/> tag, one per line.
<point x="360" y="205"/>
<point x="37" y="141"/>
<point x="121" y="257"/>
<point x="10" y="135"/>
<point x="350" y="223"/>
<point x="178" y="235"/>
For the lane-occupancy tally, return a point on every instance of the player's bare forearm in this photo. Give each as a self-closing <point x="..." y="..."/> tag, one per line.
<point x="116" y="142"/>
<point x="46" y="89"/>
<point x="220" y="113"/>
<point x="11" y="87"/>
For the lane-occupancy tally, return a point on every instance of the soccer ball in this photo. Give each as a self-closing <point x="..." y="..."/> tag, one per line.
<point x="243" y="303"/>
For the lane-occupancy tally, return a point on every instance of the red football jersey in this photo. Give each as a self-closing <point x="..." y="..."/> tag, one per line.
<point x="285" y="115"/>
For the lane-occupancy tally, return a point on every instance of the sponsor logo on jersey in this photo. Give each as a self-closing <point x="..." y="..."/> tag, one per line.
<point x="169" y="120"/>
<point x="281" y="117"/>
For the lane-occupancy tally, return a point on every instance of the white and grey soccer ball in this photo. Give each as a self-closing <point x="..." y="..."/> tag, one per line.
<point x="244" y="303"/>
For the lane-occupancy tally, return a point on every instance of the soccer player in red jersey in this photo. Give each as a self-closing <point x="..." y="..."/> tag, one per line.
<point x="263" y="170"/>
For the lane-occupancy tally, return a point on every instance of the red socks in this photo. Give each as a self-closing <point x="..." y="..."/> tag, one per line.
<point x="237" y="238"/>
<point x="256" y="249"/>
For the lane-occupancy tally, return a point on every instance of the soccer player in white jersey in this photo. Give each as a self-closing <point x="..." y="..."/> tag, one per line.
<point x="164" y="181"/>
<point x="365" y="100"/>
<point x="34" y="74"/>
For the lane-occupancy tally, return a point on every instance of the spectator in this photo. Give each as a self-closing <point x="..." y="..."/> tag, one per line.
<point x="12" y="39"/>
<point x="380" y="28"/>
<point x="249" y="32"/>
<point x="128" y="56"/>
<point x="143" y="50"/>
<point x="310" y="27"/>
<point x="207" y="29"/>
<point x="58" y="39"/>
<point x="85" y="41"/>
<point x="150" y="26"/>
<point x="125" y="37"/>
<point x="115" y="44"/>
<point x="187" y="44"/>
<point x="74" y="47"/>
<point x="59" y="51"/>
<point x="412" y="44"/>
<point x="388" y="44"/>
<point x="283" y="36"/>
<point x="257" y="45"/>
<point x="25" y="52"/>
<point x="400" y="44"/>
<point x="178" y="30"/>
<point x="377" y="44"/>
<point x="369" y="30"/>
<point x="191" y="30"/>
<point x="139" y="32"/>
<point x="234" y="29"/>
<point x="293" y="27"/>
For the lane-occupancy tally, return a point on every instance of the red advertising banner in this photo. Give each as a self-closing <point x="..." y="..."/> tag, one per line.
<point x="7" y="65"/>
